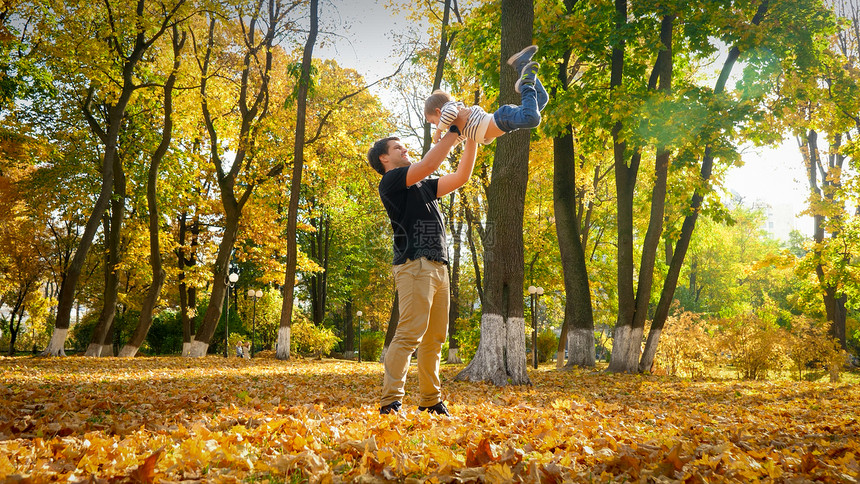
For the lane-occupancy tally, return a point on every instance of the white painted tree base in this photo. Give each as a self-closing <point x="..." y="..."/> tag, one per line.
<point x="626" y="349"/>
<point x="198" y="349"/>
<point x="128" y="351"/>
<point x="58" y="341"/>
<point x="453" y="357"/>
<point x="94" y="350"/>
<point x="283" y="352"/>
<point x="580" y="348"/>
<point x="186" y="348"/>
<point x="501" y="354"/>
<point x="382" y="354"/>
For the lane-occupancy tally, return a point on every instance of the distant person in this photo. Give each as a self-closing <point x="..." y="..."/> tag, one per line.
<point x="441" y="109"/>
<point x="246" y="350"/>
<point x="239" y="350"/>
<point x="420" y="259"/>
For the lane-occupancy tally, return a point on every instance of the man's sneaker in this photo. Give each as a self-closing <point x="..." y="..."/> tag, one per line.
<point x="521" y="58"/>
<point x="439" y="409"/>
<point x="392" y="407"/>
<point x="528" y="76"/>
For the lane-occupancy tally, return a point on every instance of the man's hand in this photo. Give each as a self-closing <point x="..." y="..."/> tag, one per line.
<point x="462" y="117"/>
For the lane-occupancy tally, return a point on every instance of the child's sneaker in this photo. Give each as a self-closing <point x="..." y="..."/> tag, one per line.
<point x="529" y="75"/>
<point x="521" y="58"/>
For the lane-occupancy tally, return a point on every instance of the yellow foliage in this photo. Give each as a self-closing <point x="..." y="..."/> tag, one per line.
<point x="686" y="346"/>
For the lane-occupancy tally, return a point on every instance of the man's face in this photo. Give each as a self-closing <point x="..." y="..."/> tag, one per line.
<point x="397" y="155"/>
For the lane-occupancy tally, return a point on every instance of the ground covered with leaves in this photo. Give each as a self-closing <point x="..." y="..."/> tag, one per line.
<point x="230" y="420"/>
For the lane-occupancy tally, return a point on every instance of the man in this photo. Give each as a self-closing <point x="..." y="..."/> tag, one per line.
<point x="420" y="257"/>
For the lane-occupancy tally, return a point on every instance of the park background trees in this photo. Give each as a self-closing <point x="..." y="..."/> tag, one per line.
<point x="143" y="166"/>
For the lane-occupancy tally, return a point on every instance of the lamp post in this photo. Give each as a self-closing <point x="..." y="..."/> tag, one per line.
<point x="534" y="292"/>
<point x="254" y="295"/>
<point x="359" y="314"/>
<point x="231" y="281"/>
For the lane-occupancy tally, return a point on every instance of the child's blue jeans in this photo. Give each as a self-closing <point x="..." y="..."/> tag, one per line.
<point x="511" y="117"/>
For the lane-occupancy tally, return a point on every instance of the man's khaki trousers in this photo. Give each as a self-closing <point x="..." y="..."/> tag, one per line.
<point x="423" y="292"/>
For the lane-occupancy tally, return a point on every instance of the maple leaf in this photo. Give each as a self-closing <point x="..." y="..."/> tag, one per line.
<point x="145" y="473"/>
<point x="481" y="456"/>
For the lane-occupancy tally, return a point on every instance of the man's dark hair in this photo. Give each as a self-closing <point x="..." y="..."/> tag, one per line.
<point x="378" y="149"/>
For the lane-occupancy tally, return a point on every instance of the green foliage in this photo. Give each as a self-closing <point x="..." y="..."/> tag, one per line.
<point x="547" y="345"/>
<point x="307" y="338"/>
<point x="468" y="335"/>
<point x="371" y="345"/>
<point x="165" y="335"/>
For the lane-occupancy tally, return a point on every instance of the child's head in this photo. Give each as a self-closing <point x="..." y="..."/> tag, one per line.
<point x="433" y="105"/>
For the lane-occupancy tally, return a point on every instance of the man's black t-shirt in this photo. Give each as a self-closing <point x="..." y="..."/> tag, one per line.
<point x="419" y="229"/>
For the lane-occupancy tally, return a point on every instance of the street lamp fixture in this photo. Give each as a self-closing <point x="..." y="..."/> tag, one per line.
<point x="231" y="281"/>
<point x="254" y="295"/>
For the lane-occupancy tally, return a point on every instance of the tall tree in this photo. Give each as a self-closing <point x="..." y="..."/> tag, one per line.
<point x="679" y="252"/>
<point x="578" y="325"/>
<point x="155" y="258"/>
<point x="125" y="35"/>
<point x="260" y="24"/>
<point x="501" y="354"/>
<point x="283" y="352"/>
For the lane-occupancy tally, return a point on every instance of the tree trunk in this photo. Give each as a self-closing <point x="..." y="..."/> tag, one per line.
<point x="476" y="266"/>
<point x="17" y="309"/>
<point x="111" y="290"/>
<point x="501" y="354"/>
<point x="627" y="344"/>
<point x="155" y="259"/>
<point x="834" y="301"/>
<point x="562" y="344"/>
<point x="624" y="189"/>
<point x="349" y="330"/>
<point x="203" y="337"/>
<point x="393" y="318"/>
<point x="683" y="244"/>
<point x="66" y="298"/>
<point x="320" y="243"/>
<point x="578" y="314"/>
<point x="456" y="226"/>
<point x="283" y="352"/>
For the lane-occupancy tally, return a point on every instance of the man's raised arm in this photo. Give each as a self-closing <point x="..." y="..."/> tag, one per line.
<point x="437" y="154"/>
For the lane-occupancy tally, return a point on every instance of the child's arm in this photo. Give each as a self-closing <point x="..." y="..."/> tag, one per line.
<point x="437" y="135"/>
<point x="447" y="115"/>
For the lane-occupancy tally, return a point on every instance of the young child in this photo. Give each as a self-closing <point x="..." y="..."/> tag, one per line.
<point x="441" y="109"/>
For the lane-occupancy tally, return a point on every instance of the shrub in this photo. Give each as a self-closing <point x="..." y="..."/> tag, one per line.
<point x="308" y="339"/>
<point x="686" y="346"/>
<point x="547" y="345"/>
<point x="371" y="345"/>
<point x="753" y="346"/>
<point x="810" y="347"/>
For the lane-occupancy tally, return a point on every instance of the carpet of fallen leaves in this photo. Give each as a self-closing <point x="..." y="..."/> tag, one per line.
<point x="80" y="419"/>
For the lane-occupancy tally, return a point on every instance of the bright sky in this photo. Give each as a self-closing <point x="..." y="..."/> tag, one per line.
<point x="771" y="175"/>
